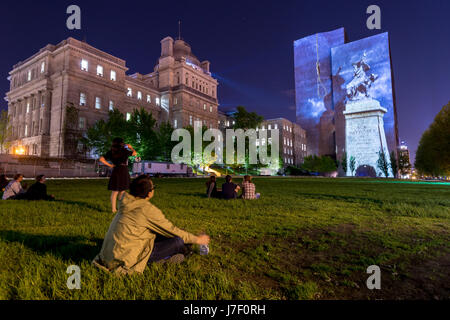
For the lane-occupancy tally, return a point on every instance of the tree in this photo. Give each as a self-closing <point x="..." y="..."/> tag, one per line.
<point x="394" y="164"/>
<point x="403" y="163"/>
<point x="433" y="153"/>
<point x="382" y="163"/>
<point x="246" y="120"/>
<point x="343" y="162"/>
<point x="5" y="130"/>
<point x="141" y="134"/>
<point x="352" y="164"/>
<point x="164" y="142"/>
<point x="99" y="137"/>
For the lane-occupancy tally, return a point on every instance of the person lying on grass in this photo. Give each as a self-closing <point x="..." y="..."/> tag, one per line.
<point x="140" y="234"/>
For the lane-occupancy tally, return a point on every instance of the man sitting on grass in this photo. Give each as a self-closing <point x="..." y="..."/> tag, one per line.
<point x="229" y="189"/>
<point x="140" y="233"/>
<point x="38" y="190"/>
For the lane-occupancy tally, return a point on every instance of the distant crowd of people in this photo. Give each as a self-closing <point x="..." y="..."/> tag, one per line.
<point x="14" y="190"/>
<point x="230" y="190"/>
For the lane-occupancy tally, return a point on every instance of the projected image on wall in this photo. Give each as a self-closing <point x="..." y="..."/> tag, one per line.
<point x="363" y="99"/>
<point x="313" y="87"/>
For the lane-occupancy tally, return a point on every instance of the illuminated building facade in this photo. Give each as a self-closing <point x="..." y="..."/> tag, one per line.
<point x="345" y="97"/>
<point x="73" y="73"/>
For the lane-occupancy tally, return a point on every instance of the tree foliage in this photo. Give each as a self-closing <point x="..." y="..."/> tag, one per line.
<point x="5" y="130"/>
<point x="403" y="163"/>
<point x="246" y="120"/>
<point x="343" y="162"/>
<point x="383" y="163"/>
<point x="352" y="165"/>
<point x="394" y="163"/>
<point x="433" y="153"/>
<point x="323" y="164"/>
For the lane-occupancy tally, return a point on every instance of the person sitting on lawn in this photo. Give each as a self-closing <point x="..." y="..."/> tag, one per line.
<point x="3" y="182"/>
<point x="248" y="189"/>
<point x="14" y="188"/>
<point x="229" y="189"/>
<point x="211" y="188"/>
<point x="140" y="234"/>
<point x="38" y="190"/>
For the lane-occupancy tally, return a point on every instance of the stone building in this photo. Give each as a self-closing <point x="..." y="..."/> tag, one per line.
<point x="75" y="76"/>
<point x="292" y="138"/>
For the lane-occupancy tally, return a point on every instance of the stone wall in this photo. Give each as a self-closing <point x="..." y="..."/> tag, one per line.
<point x="33" y="166"/>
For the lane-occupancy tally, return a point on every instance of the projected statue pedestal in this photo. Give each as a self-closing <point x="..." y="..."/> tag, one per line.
<point x="364" y="133"/>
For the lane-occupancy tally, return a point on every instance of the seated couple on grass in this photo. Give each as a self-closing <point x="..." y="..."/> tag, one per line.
<point x="37" y="191"/>
<point x="230" y="190"/>
<point x="140" y="234"/>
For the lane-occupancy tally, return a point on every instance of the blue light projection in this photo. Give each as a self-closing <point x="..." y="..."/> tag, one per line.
<point x="375" y="52"/>
<point x="313" y="89"/>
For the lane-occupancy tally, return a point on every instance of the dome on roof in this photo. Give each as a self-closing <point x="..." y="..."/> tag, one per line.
<point x="183" y="49"/>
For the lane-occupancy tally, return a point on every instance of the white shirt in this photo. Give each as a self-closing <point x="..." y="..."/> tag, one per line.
<point x="12" y="189"/>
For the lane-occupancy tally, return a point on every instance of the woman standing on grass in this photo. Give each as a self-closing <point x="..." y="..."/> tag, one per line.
<point x="118" y="160"/>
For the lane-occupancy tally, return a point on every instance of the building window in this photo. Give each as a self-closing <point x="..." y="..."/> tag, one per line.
<point x="100" y="70"/>
<point x="26" y="130"/>
<point x="98" y="103"/>
<point x="275" y="126"/>
<point x="29" y="75"/>
<point x="210" y="108"/>
<point x="111" y="105"/>
<point x="113" y="75"/>
<point x="175" y="123"/>
<point x="130" y="92"/>
<point x="128" y="116"/>
<point x="190" y="120"/>
<point x="40" y="125"/>
<point x="175" y="101"/>
<point x="84" y="65"/>
<point x="269" y="127"/>
<point x="28" y="107"/>
<point x="81" y="123"/>
<point x="149" y="98"/>
<point x="139" y="95"/>
<point x="204" y="106"/>
<point x="42" y="67"/>
<point x="158" y="102"/>
<point x="82" y="99"/>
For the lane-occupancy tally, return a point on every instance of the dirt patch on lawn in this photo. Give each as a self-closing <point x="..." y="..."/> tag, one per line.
<point x="336" y="259"/>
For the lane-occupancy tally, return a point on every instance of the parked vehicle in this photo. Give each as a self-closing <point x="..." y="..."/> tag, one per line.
<point x="161" y="169"/>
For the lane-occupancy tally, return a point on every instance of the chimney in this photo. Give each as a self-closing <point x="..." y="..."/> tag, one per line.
<point x="205" y="65"/>
<point x="167" y="47"/>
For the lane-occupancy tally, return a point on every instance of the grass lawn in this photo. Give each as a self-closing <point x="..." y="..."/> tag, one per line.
<point x="306" y="238"/>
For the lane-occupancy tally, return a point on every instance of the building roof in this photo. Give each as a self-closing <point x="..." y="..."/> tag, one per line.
<point x="182" y="49"/>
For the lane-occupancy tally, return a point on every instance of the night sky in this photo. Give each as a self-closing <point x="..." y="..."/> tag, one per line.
<point x="249" y="44"/>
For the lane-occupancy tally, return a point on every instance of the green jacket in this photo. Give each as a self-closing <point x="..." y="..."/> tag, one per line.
<point x="131" y="236"/>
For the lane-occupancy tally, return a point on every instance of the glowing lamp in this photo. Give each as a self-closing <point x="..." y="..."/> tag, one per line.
<point x="19" y="150"/>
